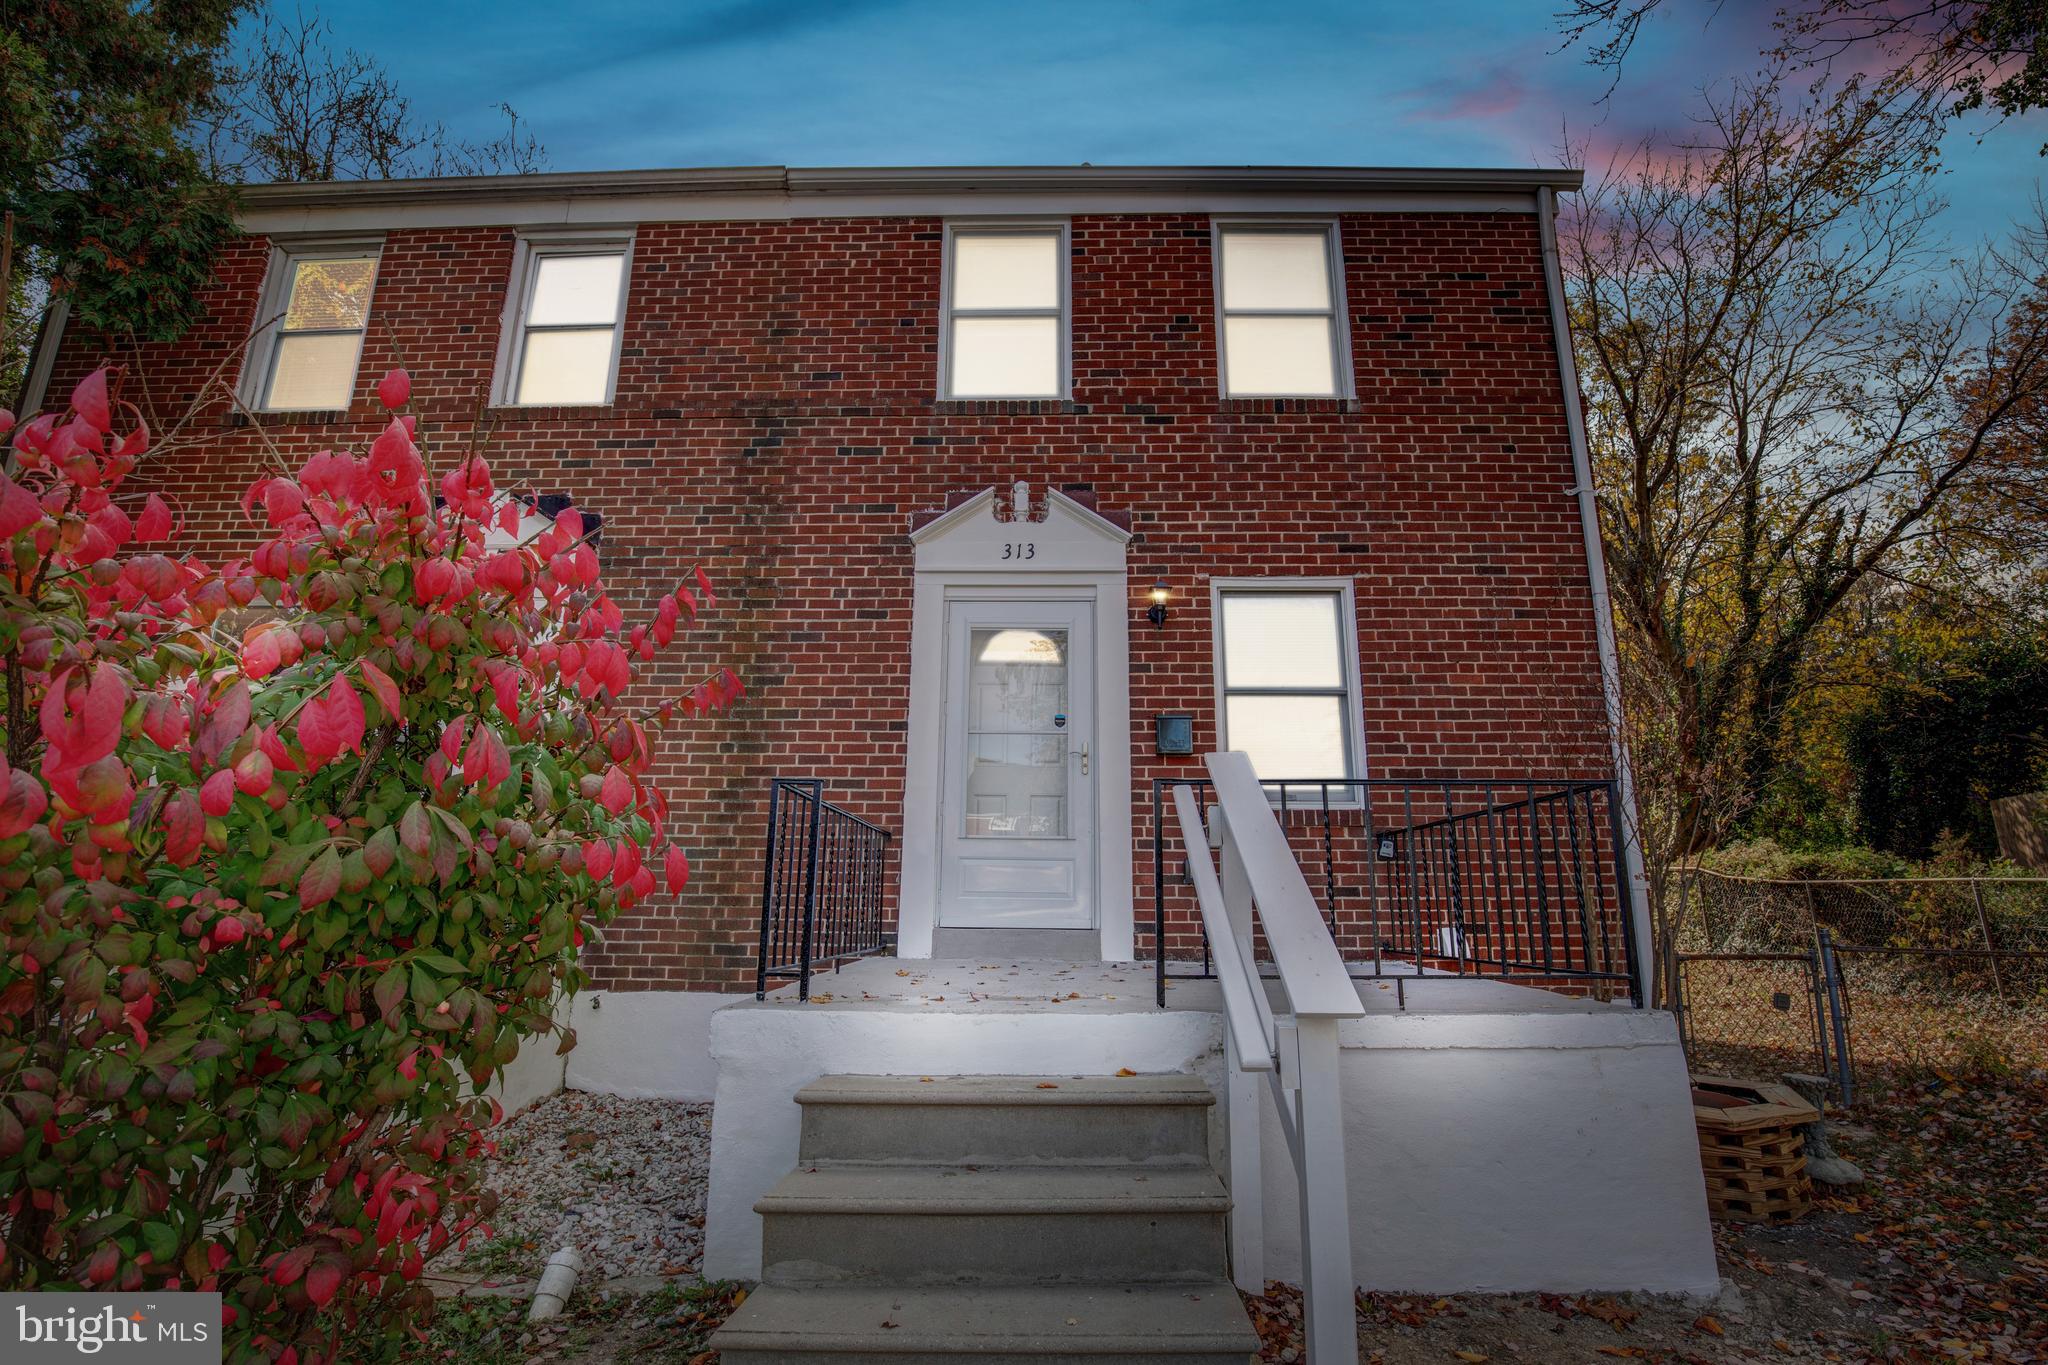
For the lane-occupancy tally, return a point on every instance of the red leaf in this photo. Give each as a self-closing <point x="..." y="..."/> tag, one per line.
<point x="93" y="726"/>
<point x="704" y="584"/>
<point x="89" y="401"/>
<point x="434" y="580"/>
<point x="393" y="473"/>
<point x="111" y="522"/>
<point x="136" y="441"/>
<point x="184" y="827"/>
<point x="382" y="688"/>
<point x="282" y="500"/>
<point x="224" y="724"/>
<point x="291" y="1266"/>
<point x="103" y="1263"/>
<point x="626" y="865"/>
<point x="321" y="881"/>
<point x="262" y="653"/>
<point x="597" y="859"/>
<point x="451" y="738"/>
<point x="617" y="792"/>
<point x="677" y="865"/>
<point x="22" y="803"/>
<point x="254" y="773"/>
<point x="217" y="793"/>
<point x="155" y="523"/>
<point x="18" y="508"/>
<point x="414" y="831"/>
<point x="331" y="723"/>
<point x="486" y="761"/>
<point x="394" y="388"/>
<point x="380" y="850"/>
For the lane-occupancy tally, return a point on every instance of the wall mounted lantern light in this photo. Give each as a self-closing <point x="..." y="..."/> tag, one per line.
<point x="1156" y="613"/>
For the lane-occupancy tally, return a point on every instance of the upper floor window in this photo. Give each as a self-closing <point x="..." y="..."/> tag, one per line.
<point x="1004" y="329"/>
<point x="314" y="310"/>
<point x="563" y="318"/>
<point x="1281" y="295"/>
<point x="1287" y="678"/>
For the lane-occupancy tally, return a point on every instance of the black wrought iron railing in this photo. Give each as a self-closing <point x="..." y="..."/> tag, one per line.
<point x="1521" y="881"/>
<point x="822" y="885"/>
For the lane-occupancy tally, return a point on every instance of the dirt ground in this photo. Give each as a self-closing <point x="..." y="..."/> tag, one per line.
<point x="1941" y="1256"/>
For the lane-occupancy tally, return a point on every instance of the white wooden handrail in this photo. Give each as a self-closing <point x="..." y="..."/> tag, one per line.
<point x="1249" y="1013"/>
<point x="1298" y="1051"/>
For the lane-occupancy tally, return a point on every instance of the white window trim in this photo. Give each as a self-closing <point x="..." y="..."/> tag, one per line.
<point x="532" y="247"/>
<point x="1355" y="762"/>
<point x="1339" y="315"/>
<point x="998" y="226"/>
<point x="261" y="356"/>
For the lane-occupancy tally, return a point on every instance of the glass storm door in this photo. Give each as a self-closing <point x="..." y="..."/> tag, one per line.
<point x="1018" y="795"/>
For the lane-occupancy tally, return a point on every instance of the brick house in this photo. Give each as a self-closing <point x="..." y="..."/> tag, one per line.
<point x="1027" y="487"/>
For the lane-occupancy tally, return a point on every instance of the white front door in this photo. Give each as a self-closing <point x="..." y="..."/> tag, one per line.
<point x="1017" y="791"/>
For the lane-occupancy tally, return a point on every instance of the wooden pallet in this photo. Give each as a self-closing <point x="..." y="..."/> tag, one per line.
<point x="1752" y="1150"/>
<point x="1756" y="1183"/>
<point x="1753" y="1145"/>
<point x="1742" y="1208"/>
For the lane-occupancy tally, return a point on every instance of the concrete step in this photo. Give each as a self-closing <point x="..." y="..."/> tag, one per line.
<point x="921" y="1225"/>
<point x="1108" y="1324"/>
<point x="1006" y="1120"/>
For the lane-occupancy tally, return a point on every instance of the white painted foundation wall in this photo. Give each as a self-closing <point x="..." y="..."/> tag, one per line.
<point x="1549" y="1150"/>
<point x="645" y="1044"/>
<point x="1510" y="1152"/>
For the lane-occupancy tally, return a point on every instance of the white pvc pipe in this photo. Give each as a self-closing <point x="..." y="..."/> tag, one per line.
<point x="557" y="1283"/>
<point x="1603" y="610"/>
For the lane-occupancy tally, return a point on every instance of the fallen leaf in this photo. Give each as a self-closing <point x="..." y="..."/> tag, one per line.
<point x="1475" y="1357"/>
<point x="1705" y="1323"/>
<point x="1125" y="1071"/>
<point x="1047" y="1085"/>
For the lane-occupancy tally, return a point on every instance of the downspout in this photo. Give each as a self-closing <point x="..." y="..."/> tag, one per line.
<point x="42" y="358"/>
<point x="1603" y="610"/>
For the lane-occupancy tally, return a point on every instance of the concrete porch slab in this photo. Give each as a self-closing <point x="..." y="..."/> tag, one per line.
<point x="1006" y="986"/>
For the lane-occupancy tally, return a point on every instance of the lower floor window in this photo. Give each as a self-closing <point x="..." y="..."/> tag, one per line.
<point x="1287" y="679"/>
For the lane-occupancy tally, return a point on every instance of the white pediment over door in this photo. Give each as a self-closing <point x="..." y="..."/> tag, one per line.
<point x="1069" y="539"/>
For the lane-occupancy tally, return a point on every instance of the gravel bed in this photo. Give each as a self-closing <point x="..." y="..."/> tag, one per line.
<point x="620" y="1179"/>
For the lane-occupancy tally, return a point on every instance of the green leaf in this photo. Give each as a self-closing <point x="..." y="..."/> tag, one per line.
<point x="389" y="993"/>
<point x="160" y="1240"/>
<point x="426" y="992"/>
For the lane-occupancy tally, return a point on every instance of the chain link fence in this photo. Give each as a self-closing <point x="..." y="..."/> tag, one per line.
<point x="1928" y="974"/>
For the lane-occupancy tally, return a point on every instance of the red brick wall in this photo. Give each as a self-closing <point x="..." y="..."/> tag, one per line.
<point x="775" y="420"/>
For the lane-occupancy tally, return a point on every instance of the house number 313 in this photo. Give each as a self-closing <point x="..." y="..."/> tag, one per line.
<point x="1020" y="549"/>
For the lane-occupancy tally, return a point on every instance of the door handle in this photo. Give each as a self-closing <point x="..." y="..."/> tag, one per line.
<point x="1082" y="754"/>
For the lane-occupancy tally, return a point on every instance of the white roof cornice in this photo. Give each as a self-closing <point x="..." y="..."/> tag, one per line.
<point x="781" y="192"/>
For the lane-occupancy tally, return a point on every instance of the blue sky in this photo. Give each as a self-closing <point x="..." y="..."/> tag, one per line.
<point x="977" y="82"/>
